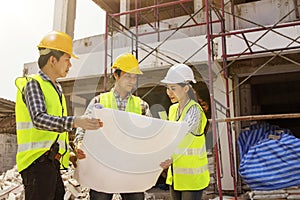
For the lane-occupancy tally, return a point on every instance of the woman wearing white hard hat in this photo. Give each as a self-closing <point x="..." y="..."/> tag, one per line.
<point x="188" y="171"/>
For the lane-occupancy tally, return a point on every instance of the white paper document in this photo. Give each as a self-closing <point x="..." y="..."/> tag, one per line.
<point x="124" y="155"/>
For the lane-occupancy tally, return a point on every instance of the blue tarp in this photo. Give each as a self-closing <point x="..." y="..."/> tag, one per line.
<point x="269" y="164"/>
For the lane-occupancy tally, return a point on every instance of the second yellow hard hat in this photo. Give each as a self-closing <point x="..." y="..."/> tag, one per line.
<point x="127" y="63"/>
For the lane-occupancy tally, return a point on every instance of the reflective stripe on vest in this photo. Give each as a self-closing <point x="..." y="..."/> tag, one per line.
<point x="190" y="164"/>
<point x="192" y="171"/>
<point x="32" y="142"/>
<point x="191" y="151"/>
<point x="39" y="145"/>
<point x="108" y="100"/>
<point x="24" y="125"/>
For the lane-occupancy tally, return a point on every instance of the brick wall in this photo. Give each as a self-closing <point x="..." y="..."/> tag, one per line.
<point x="8" y="150"/>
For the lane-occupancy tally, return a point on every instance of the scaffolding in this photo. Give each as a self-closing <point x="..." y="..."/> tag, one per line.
<point x="217" y="13"/>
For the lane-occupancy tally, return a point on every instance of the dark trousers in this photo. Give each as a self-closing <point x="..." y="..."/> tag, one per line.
<point x="185" y="195"/>
<point x="42" y="180"/>
<point x="94" y="195"/>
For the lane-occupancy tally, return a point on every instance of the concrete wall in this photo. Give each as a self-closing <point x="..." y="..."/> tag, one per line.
<point x="8" y="150"/>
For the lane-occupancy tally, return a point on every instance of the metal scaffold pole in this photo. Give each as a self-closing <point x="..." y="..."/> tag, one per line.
<point x="226" y="76"/>
<point x="212" y="99"/>
<point x="105" y="51"/>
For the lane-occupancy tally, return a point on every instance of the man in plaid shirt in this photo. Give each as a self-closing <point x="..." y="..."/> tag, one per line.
<point x="43" y="123"/>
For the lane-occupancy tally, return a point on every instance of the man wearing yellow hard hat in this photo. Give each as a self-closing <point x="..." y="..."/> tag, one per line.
<point x="126" y="70"/>
<point x="42" y="121"/>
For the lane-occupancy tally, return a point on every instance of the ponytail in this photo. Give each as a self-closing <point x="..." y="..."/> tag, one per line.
<point x="191" y="92"/>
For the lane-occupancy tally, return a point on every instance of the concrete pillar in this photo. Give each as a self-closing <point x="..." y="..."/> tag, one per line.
<point x="125" y="6"/>
<point x="198" y="4"/>
<point x="64" y="16"/>
<point x="246" y="102"/>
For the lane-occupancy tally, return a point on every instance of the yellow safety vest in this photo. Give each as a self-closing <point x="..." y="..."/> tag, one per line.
<point x="32" y="142"/>
<point x="189" y="170"/>
<point x="108" y="100"/>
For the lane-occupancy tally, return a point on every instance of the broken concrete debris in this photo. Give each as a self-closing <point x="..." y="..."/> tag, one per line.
<point x="11" y="187"/>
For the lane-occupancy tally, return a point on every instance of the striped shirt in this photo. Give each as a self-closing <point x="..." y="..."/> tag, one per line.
<point x="35" y="102"/>
<point x="121" y="103"/>
<point x="193" y="118"/>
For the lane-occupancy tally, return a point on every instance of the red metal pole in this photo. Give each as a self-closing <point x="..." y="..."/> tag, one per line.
<point x="212" y="100"/>
<point x="105" y="52"/>
<point x="157" y="21"/>
<point x="136" y="40"/>
<point x="228" y="125"/>
<point x="136" y="28"/>
<point x="233" y="15"/>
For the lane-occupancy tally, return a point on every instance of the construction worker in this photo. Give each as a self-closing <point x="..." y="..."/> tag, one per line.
<point x="126" y="70"/>
<point x="188" y="171"/>
<point x="42" y="121"/>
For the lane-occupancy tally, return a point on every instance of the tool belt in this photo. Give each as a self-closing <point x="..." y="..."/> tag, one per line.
<point x="46" y="157"/>
<point x="53" y="154"/>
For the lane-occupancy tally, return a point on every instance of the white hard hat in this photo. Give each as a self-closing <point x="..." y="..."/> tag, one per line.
<point x="179" y="73"/>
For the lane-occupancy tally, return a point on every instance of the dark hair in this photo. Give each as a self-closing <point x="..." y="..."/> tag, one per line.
<point x="191" y="93"/>
<point x="117" y="72"/>
<point x="205" y="108"/>
<point x="43" y="59"/>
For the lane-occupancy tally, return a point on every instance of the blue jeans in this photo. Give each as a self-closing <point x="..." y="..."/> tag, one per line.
<point x="94" y="195"/>
<point x="185" y="195"/>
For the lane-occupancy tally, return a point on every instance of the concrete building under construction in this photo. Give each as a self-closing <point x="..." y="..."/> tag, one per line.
<point x="245" y="55"/>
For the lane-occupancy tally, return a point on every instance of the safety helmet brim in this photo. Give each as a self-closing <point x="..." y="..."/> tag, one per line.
<point x="166" y="81"/>
<point x="59" y="41"/>
<point x="130" y="70"/>
<point x="57" y="49"/>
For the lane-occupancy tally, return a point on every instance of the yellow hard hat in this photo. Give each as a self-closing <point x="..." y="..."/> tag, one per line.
<point x="58" y="41"/>
<point x="127" y="63"/>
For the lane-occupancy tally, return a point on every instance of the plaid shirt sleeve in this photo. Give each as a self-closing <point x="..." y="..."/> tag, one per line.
<point x="35" y="103"/>
<point x="88" y="112"/>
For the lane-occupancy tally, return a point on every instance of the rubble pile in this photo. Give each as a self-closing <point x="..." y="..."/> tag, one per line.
<point x="11" y="187"/>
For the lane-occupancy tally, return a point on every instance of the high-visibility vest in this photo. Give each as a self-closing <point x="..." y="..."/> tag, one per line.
<point x="108" y="100"/>
<point x="32" y="142"/>
<point x="189" y="170"/>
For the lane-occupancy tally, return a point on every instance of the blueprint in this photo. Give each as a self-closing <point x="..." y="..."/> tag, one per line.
<point x="124" y="155"/>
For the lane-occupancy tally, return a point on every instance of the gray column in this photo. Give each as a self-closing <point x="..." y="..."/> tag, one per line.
<point x="125" y="6"/>
<point x="64" y="16"/>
